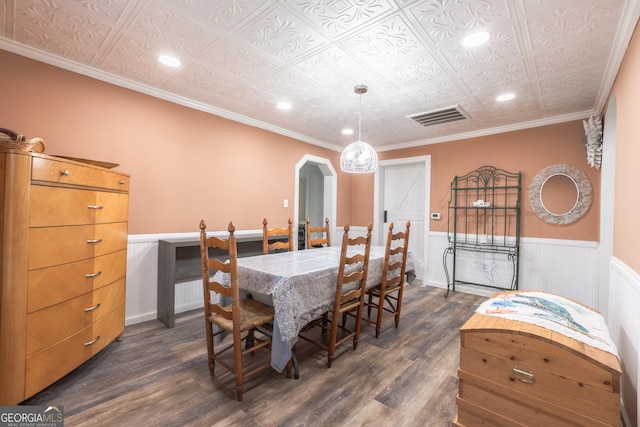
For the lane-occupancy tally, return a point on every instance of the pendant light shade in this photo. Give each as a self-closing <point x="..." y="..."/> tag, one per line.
<point x="359" y="157"/>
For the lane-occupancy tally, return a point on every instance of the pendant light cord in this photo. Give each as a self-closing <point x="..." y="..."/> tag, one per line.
<point x="360" y="120"/>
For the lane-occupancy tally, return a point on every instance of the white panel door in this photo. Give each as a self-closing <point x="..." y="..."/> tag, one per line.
<point x="403" y="199"/>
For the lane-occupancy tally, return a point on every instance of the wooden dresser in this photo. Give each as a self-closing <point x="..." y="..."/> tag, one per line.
<point x="520" y="374"/>
<point x="63" y="258"/>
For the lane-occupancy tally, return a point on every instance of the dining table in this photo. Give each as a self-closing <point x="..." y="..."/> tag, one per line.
<point x="301" y="286"/>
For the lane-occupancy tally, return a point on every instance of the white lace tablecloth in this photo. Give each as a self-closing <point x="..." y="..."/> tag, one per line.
<point x="302" y="286"/>
<point x="552" y="312"/>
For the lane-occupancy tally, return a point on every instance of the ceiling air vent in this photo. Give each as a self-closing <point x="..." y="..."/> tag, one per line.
<point x="443" y="115"/>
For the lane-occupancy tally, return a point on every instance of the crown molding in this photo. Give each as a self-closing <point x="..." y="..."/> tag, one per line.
<point x="492" y="131"/>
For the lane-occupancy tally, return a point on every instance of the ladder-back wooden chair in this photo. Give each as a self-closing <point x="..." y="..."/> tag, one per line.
<point x="349" y="296"/>
<point x="386" y="298"/>
<point x="241" y="318"/>
<point x="325" y="235"/>
<point x="277" y="239"/>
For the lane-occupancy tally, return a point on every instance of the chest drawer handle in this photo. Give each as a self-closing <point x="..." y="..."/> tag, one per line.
<point x="64" y="172"/>
<point x="87" y="344"/>
<point x="122" y="182"/>
<point x="95" y="307"/>
<point x="95" y="207"/>
<point x="524" y="376"/>
<point x="94" y="241"/>
<point x="91" y="275"/>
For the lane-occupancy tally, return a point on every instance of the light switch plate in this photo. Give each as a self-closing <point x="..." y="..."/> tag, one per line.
<point x="286" y="203"/>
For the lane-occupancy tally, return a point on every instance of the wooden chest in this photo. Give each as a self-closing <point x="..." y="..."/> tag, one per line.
<point x="63" y="254"/>
<point x="514" y="373"/>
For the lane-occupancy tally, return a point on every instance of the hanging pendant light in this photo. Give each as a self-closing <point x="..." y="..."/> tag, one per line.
<point x="359" y="157"/>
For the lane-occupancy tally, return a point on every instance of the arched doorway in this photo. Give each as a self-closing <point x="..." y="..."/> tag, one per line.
<point x="316" y="192"/>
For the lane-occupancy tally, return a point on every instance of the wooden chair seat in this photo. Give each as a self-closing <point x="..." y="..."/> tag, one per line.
<point x="252" y="315"/>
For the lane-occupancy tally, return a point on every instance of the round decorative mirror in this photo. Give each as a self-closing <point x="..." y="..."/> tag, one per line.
<point x="560" y="194"/>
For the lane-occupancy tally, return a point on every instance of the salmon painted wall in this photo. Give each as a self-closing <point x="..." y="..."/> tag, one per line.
<point x="528" y="151"/>
<point x="626" y="240"/>
<point x="185" y="165"/>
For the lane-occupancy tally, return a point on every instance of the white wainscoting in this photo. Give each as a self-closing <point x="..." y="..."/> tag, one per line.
<point x="142" y="276"/>
<point x="564" y="267"/>
<point x="624" y="327"/>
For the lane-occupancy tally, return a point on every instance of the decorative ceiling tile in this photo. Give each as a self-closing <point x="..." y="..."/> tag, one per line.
<point x="584" y="79"/>
<point x="502" y="47"/>
<point x="417" y="71"/>
<point x="221" y="15"/>
<point x="384" y="42"/>
<point x="564" y="21"/>
<point x="167" y="28"/>
<point x="136" y="59"/>
<point x="239" y="60"/>
<point x="332" y="67"/>
<point x="444" y="20"/>
<point x="434" y="95"/>
<point x="105" y="11"/>
<point x="504" y="74"/>
<point x="572" y="57"/>
<point x="556" y="103"/>
<point x="53" y="44"/>
<point x="282" y="35"/>
<point x="335" y="18"/>
<point x="200" y="77"/>
<point x="47" y="17"/>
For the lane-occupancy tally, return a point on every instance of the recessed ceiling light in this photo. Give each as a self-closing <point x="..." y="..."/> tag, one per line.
<point x="505" y="97"/>
<point x="476" y="39"/>
<point x="283" y="105"/>
<point x="169" y="61"/>
<point x="347" y="131"/>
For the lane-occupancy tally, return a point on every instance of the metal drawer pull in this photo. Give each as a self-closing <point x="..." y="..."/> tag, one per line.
<point x="64" y="172"/>
<point x="524" y="376"/>
<point x="94" y="241"/>
<point x="95" y="307"/>
<point x="122" y="182"/>
<point x="89" y="276"/>
<point x="95" y="207"/>
<point x="92" y="341"/>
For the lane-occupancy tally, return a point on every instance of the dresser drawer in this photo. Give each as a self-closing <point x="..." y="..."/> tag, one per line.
<point x="52" y="324"/>
<point x="52" y="285"/>
<point x="65" y="172"/>
<point x="54" y="206"/>
<point x="51" y="246"/>
<point x="47" y="366"/>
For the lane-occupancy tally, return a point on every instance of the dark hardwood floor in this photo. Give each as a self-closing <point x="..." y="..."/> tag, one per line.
<point x="159" y="376"/>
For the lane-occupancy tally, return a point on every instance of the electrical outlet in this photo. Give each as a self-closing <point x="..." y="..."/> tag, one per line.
<point x="436" y="215"/>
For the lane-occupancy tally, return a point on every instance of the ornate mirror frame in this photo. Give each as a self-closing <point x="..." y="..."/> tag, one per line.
<point x="583" y="201"/>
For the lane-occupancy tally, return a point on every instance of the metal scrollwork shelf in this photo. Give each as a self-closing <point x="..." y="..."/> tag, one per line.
<point x="483" y="229"/>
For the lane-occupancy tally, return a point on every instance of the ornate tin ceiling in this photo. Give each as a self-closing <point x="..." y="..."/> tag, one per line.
<point x="240" y="57"/>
